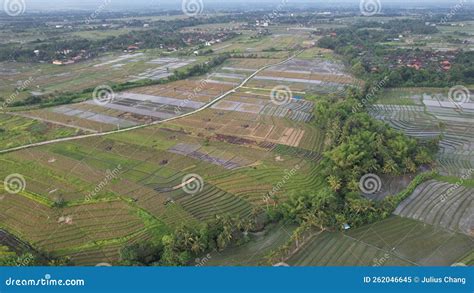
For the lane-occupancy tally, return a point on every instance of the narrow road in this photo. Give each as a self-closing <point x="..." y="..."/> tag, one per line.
<point x="208" y="105"/>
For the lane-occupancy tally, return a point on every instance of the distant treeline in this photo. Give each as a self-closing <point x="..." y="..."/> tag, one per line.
<point x="165" y="33"/>
<point x="362" y="48"/>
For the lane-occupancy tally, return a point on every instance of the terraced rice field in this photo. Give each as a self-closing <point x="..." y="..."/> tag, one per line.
<point x="72" y="229"/>
<point x="441" y="204"/>
<point x="135" y="107"/>
<point x="432" y="116"/>
<point x="252" y="253"/>
<point x="129" y="186"/>
<point x="151" y="162"/>
<point x="16" y="130"/>
<point x="393" y="242"/>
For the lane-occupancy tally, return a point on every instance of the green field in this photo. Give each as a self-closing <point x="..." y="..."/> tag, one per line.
<point x="392" y="242"/>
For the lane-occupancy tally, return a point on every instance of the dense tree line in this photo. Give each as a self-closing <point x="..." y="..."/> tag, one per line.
<point x="186" y="243"/>
<point x="27" y="259"/>
<point x="363" y="50"/>
<point x="162" y="33"/>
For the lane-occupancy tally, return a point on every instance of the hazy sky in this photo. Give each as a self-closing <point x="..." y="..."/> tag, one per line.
<point x="34" y="5"/>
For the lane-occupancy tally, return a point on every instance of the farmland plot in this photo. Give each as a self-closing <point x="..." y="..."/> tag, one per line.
<point x="242" y="148"/>
<point x="316" y="75"/>
<point x="164" y="68"/>
<point x="441" y="204"/>
<point x="71" y="229"/>
<point x="16" y="130"/>
<point x="254" y="252"/>
<point x="47" y="79"/>
<point x="437" y="115"/>
<point x="392" y="242"/>
<point x="131" y="108"/>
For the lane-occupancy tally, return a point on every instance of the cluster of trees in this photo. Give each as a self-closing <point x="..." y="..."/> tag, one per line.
<point x="463" y="68"/>
<point x="23" y="260"/>
<point x="51" y="50"/>
<point x="186" y="243"/>
<point x="27" y="259"/>
<point x="363" y="49"/>
<point x="356" y="144"/>
<point x="200" y="69"/>
<point x="395" y="27"/>
<point x="162" y="33"/>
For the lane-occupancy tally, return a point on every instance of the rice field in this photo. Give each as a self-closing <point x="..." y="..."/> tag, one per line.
<point x="92" y="196"/>
<point x="252" y="253"/>
<point x="393" y="242"/>
<point x="44" y="79"/>
<point x="16" y="130"/>
<point x="441" y="204"/>
<point x="433" y="115"/>
<point x="150" y="163"/>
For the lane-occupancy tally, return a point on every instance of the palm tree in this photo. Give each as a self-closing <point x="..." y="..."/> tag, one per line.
<point x="390" y="167"/>
<point x="197" y="245"/>
<point x="410" y="167"/>
<point x="334" y="183"/>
